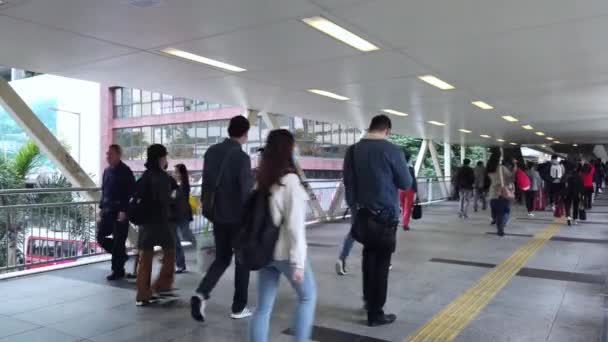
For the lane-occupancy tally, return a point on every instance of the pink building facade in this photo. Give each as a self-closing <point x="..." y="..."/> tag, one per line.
<point x="135" y="118"/>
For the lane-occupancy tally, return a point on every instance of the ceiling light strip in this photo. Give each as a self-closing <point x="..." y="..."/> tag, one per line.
<point x="510" y="118"/>
<point x="201" y="59"/>
<point x="482" y="105"/>
<point x="395" y="112"/>
<point x="436" y="123"/>
<point x="328" y="94"/>
<point x="436" y="82"/>
<point x="340" y="33"/>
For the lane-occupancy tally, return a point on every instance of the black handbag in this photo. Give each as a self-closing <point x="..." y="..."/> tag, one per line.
<point x="582" y="214"/>
<point x="208" y="195"/>
<point x="417" y="210"/>
<point x="375" y="229"/>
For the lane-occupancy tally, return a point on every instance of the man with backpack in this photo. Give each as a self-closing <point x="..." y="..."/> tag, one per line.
<point x="556" y="173"/>
<point x="227" y="182"/>
<point x="374" y="171"/>
<point x="465" y="181"/>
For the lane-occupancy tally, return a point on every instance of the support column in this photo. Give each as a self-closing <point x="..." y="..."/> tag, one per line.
<point x="447" y="160"/>
<point x="437" y="166"/>
<point x="43" y="138"/>
<point x="421" y="154"/>
<point x="463" y="152"/>
<point x="484" y="154"/>
<point x="271" y="122"/>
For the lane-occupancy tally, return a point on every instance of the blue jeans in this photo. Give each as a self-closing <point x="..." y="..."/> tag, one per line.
<point x="268" y="284"/>
<point x="182" y="228"/>
<point x="347" y="246"/>
<point x="501" y="210"/>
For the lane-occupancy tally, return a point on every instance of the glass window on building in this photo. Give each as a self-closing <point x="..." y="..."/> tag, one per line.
<point x="156" y="108"/>
<point x="117" y="96"/>
<point x="214" y="132"/>
<point x="136" y="98"/>
<point x="157" y="135"/>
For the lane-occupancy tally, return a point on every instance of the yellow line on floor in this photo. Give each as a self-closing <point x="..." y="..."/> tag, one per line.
<point x="450" y="321"/>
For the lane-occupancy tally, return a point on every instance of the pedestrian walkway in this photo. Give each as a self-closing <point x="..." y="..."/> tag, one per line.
<point x="558" y="294"/>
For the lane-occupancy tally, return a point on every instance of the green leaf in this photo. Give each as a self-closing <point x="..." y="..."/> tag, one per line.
<point x="27" y="158"/>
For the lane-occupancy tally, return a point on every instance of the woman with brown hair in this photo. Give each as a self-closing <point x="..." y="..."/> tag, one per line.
<point x="287" y="196"/>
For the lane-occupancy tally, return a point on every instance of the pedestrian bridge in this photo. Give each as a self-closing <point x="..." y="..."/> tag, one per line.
<point x="451" y="279"/>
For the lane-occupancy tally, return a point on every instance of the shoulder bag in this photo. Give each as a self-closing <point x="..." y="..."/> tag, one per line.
<point x="208" y="195"/>
<point x="505" y="191"/>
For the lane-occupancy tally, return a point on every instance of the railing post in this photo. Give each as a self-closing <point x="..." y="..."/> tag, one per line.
<point x="429" y="190"/>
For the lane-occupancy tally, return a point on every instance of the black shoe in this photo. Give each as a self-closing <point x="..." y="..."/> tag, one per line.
<point x="500" y="233"/>
<point x="180" y="270"/>
<point x="197" y="308"/>
<point x="382" y="320"/>
<point x="493" y="222"/>
<point x="115" y="276"/>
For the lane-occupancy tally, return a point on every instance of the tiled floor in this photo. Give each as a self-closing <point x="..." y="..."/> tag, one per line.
<point x="79" y="305"/>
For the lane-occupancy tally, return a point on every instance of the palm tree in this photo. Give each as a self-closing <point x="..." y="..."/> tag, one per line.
<point x="13" y="223"/>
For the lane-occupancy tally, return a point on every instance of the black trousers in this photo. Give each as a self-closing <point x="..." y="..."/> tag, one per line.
<point x="376" y="264"/>
<point x="225" y="236"/>
<point x="530" y="200"/>
<point x="588" y="194"/>
<point x="572" y="206"/>
<point x="554" y="190"/>
<point x="109" y="225"/>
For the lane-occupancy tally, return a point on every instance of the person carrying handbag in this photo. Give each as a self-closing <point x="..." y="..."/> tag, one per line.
<point x="374" y="171"/>
<point x="501" y="191"/>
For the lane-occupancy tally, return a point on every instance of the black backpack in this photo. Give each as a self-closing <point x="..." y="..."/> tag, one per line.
<point x="259" y="235"/>
<point x="137" y="210"/>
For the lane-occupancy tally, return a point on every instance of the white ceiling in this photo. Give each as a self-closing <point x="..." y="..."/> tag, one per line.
<point x="543" y="61"/>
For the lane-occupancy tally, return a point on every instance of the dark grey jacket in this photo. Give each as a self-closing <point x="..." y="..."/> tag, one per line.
<point x="235" y="183"/>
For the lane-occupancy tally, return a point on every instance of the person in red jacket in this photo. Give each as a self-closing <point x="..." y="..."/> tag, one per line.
<point x="406" y="197"/>
<point x="587" y="172"/>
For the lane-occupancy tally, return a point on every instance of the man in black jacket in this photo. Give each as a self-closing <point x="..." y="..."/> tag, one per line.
<point x="117" y="188"/>
<point x="465" y="181"/>
<point x="227" y="165"/>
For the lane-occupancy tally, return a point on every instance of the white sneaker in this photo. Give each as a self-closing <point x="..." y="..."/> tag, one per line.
<point x="341" y="267"/>
<point x="530" y="215"/>
<point x="243" y="314"/>
<point x="569" y="220"/>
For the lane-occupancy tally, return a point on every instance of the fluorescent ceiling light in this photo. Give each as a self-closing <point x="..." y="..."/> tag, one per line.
<point x="510" y="118"/>
<point x="340" y="33"/>
<point x="328" y="94"/>
<point x="500" y="140"/>
<point x="557" y="142"/>
<point x="201" y="59"/>
<point x="465" y="131"/>
<point x="540" y="134"/>
<point x="485" y="136"/>
<point x="436" y="123"/>
<point x="514" y="144"/>
<point x="528" y="127"/>
<point x="395" y="112"/>
<point x="482" y="105"/>
<point x="549" y="138"/>
<point x="434" y="81"/>
<point x="575" y="145"/>
<point x="545" y="146"/>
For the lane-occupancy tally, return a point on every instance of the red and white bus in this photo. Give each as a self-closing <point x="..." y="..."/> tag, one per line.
<point x="44" y="248"/>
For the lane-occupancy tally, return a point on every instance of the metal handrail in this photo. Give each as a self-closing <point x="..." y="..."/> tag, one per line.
<point x="44" y="190"/>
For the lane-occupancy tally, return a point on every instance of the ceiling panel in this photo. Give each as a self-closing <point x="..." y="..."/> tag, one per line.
<point x="270" y="47"/>
<point x="143" y="70"/>
<point x="38" y="48"/>
<point x="326" y="74"/>
<point x="172" y="21"/>
<point x="413" y="23"/>
<point x="523" y="58"/>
